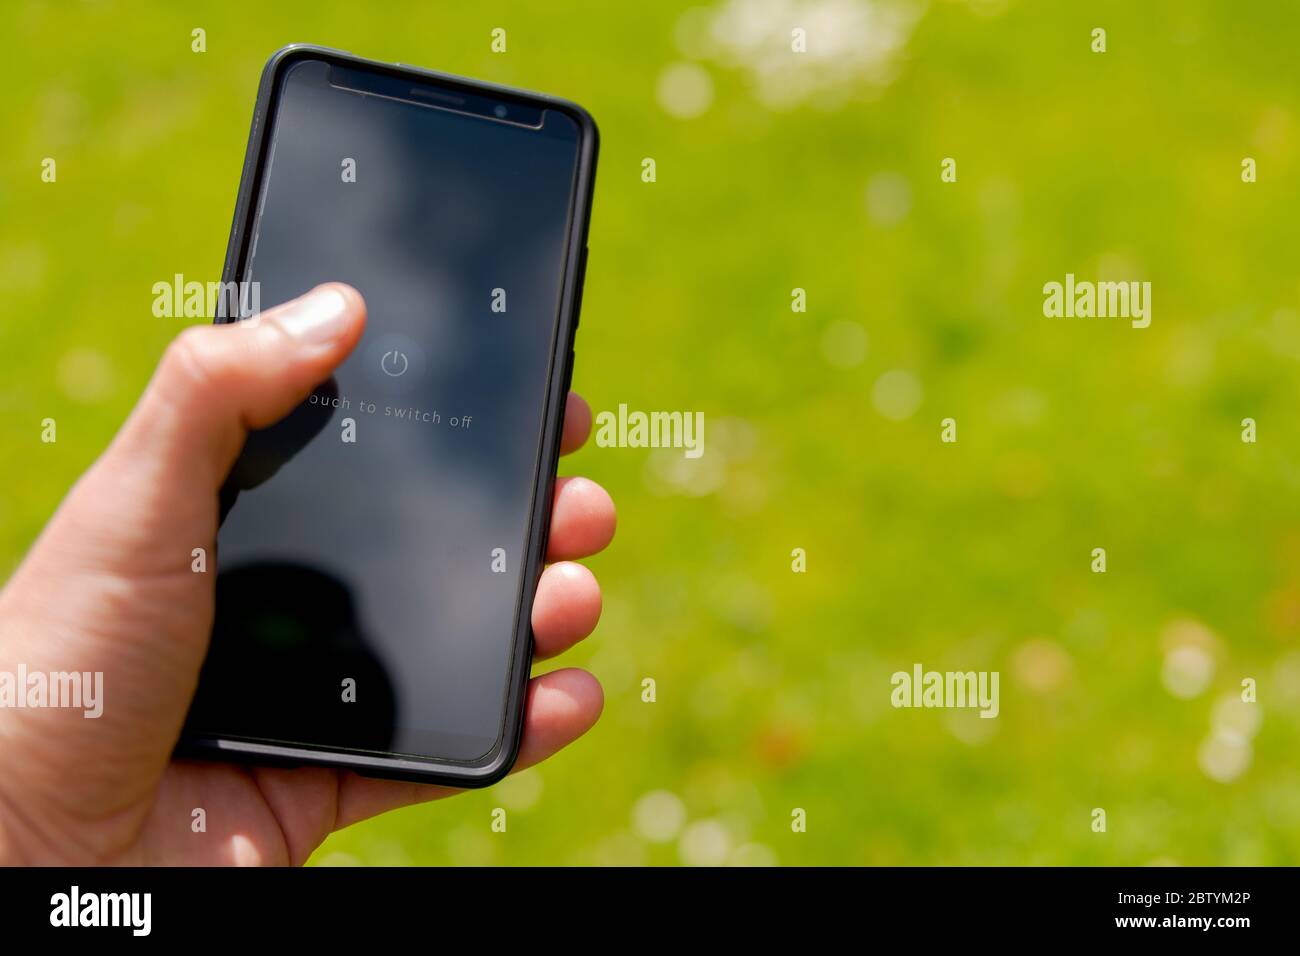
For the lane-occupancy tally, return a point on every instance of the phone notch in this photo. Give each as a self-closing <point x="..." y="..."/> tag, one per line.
<point x="435" y="95"/>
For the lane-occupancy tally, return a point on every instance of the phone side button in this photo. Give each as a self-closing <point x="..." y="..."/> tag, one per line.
<point x="582" y="282"/>
<point x="568" y="373"/>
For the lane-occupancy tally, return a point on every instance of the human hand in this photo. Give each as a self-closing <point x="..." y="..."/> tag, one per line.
<point x="108" y="587"/>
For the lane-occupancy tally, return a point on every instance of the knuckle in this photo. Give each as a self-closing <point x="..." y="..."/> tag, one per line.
<point x="188" y="362"/>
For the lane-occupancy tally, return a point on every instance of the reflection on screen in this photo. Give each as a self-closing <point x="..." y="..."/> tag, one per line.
<point x="378" y="560"/>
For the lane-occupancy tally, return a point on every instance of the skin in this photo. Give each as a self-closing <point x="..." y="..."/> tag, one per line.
<point x="108" y="587"/>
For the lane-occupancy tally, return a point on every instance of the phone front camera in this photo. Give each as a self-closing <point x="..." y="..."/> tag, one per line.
<point x="500" y="111"/>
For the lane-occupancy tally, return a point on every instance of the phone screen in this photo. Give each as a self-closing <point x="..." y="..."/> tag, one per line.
<point x="371" y="564"/>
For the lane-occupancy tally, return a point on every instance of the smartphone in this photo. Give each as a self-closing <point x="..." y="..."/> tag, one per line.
<point x="380" y="547"/>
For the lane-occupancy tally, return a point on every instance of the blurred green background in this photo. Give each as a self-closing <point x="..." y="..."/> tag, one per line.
<point x="818" y="171"/>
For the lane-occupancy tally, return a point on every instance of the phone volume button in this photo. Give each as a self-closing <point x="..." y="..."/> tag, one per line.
<point x="582" y="282"/>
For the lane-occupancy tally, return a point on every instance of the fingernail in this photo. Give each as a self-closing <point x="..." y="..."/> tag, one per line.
<point x="317" y="317"/>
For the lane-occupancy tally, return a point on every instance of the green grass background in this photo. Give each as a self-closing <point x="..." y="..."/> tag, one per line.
<point x="773" y="687"/>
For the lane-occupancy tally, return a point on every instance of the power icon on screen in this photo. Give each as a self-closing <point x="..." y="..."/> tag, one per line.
<point x="394" y="363"/>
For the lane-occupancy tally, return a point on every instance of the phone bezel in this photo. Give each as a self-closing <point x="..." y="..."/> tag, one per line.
<point x="498" y="762"/>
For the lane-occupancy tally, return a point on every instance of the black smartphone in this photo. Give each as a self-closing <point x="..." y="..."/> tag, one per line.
<point x="380" y="547"/>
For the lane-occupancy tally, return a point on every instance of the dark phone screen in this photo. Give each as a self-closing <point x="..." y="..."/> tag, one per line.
<point x="370" y="566"/>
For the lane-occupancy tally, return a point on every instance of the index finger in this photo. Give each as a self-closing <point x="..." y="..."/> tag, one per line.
<point x="577" y="424"/>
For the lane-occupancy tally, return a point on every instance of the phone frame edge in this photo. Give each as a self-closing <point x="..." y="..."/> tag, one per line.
<point x="498" y="762"/>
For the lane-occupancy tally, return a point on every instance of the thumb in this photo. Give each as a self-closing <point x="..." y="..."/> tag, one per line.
<point x="218" y="382"/>
<point x="155" y="487"/>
